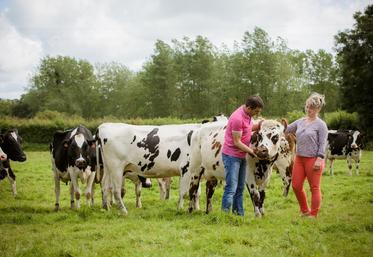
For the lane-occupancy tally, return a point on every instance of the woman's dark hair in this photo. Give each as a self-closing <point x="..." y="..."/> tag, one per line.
<point x="254" y="101"/>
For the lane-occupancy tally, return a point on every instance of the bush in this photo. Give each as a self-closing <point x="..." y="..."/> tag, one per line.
<point x="294" y="115"/>
<point x="342" y="120"/>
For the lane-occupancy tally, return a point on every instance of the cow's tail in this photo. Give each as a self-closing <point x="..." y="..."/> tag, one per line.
<point x="98" y="152"/>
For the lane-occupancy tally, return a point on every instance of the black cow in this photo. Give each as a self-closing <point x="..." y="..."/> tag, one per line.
<point x="345" y="144"/>
<point x="73" y="157"/>
<point x="10" y="143"/>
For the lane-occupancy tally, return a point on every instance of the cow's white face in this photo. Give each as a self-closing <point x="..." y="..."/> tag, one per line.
<point x="267" y="140"/>
<point x="355" y="136"/>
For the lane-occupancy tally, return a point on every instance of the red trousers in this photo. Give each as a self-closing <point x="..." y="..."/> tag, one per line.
<point x="302" y="169"/>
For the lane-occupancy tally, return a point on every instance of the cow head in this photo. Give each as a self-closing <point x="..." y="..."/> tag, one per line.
<point x="80" y="151"/>
<point x="357" y="140"/>
<point x="266" y="141"/>
<point x="219" y="117"/>
<point x="3" y="158"/>
<point x="3" y="155"/>
<point x="10" y="142"/>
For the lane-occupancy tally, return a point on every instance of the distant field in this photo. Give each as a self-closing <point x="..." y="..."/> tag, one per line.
<point x="30" y="227"/>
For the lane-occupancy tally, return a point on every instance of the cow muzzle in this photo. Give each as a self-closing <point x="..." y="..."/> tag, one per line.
<point x="3" y="157"/>
<point x="262" y="153"/>
<point x="81" y="164"/>
<point x="22" y="158"/>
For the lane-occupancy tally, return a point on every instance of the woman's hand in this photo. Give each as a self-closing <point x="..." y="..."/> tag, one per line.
<point x="318" y="163"/>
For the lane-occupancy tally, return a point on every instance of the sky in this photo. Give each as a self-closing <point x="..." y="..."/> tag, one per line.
<point x="125" y="31"/>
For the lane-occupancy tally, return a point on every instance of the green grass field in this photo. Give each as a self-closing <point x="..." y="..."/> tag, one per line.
<point x="30" y="227"/>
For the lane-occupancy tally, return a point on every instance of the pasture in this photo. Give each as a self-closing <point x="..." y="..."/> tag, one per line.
<point x="30" y="227"/>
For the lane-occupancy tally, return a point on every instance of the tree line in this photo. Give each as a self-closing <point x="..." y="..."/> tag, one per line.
<point x="192" y="78"/>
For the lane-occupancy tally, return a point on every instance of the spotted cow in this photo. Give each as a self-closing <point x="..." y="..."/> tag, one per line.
<point x="344" y="144"/>
<point x="10" y="143"/>
<point x="148" y="151"/>
<point x="270" y="143"/>
<point x="73" y="156"/>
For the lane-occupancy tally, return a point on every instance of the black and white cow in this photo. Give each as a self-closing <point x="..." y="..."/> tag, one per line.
<point x="345" y="144"/>
<point x="206" y="162"/>
<point x="137" y="180"/>
<point x="73" y="156"/>
<point x="147" y="151"/>
<point x="10" y="143"/>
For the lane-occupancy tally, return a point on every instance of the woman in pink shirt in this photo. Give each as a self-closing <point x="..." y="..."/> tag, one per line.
<point x="236" y="146"/>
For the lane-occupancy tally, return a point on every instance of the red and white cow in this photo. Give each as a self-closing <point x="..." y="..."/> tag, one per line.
<point x="148" y="151"/>
<point x="271" y="146"/>
<point x="73" y="155"/>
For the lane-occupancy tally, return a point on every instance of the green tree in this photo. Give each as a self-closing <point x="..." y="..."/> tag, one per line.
<point x="194" y="62"/>
<point x="321" y="74"/>
<point x="159" y="80"/>
<point x="113" y="89"/>
<point x="64" y="84"/>
<point x="355" y="57"/>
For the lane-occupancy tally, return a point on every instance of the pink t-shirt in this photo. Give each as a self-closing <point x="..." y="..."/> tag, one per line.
<point x="242" y="122"/>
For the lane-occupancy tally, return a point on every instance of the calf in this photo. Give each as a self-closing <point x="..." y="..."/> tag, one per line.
<point x="73" y="156"/>
<point x="345" y="144"/>
<point x="206" y="161"/>
<point x="10" y="143"/>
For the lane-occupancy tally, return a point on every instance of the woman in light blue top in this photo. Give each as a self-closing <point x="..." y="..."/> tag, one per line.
<point x="311" y="133"/>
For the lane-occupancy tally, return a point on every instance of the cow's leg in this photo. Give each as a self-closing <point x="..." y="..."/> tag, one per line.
<point x="106" y="189"/>
<point x="138" y="186"/>
<point x="72" y="197"/>
<point x="210" y="189"/>
<point x="184" y="183"/>
<point x="12" y="181"/>
<point x="117" y="181"/>
<point x="162" y="188"/>
<point x="357" y="166"/>
<point x="349" y="164"/>
<point x="88" y="191"/>
<point x="254" y="194"/>
<point x="74" y="182"/>
<point x="193" y="189"/>
<point x="261" y="201"/>
<point x="331" y="166"/>
<point x="57" y="191"/>
<point x="93" y="192"/>
<point x="168" y="187"/>
<point x="357" y="158"/>
<point x="285" y="170"/>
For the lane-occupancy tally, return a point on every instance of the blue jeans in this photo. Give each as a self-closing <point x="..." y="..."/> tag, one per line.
<point x="235" y="174"/>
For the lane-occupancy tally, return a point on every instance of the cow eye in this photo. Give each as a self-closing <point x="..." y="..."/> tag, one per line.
<point x="275" y="139"/>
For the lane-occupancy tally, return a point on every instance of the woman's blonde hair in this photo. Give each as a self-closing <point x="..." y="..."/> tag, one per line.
<point x="316" y="100"/>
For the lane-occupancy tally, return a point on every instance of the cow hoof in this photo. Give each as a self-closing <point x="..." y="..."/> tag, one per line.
<point x="124" y="211"/>
<point x="258" y="215"/>
<point x="285" y="193"/>
<point x="56" y="207"/>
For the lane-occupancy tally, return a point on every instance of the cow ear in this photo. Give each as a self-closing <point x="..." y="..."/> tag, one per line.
<point x="285" y="123"/>
<point x="92" y="143"/>
<point x="254" y="138"/>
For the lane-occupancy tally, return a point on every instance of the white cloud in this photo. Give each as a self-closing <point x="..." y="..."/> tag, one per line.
<point x="18" y="56"/>
<point x="125" y="31"/>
